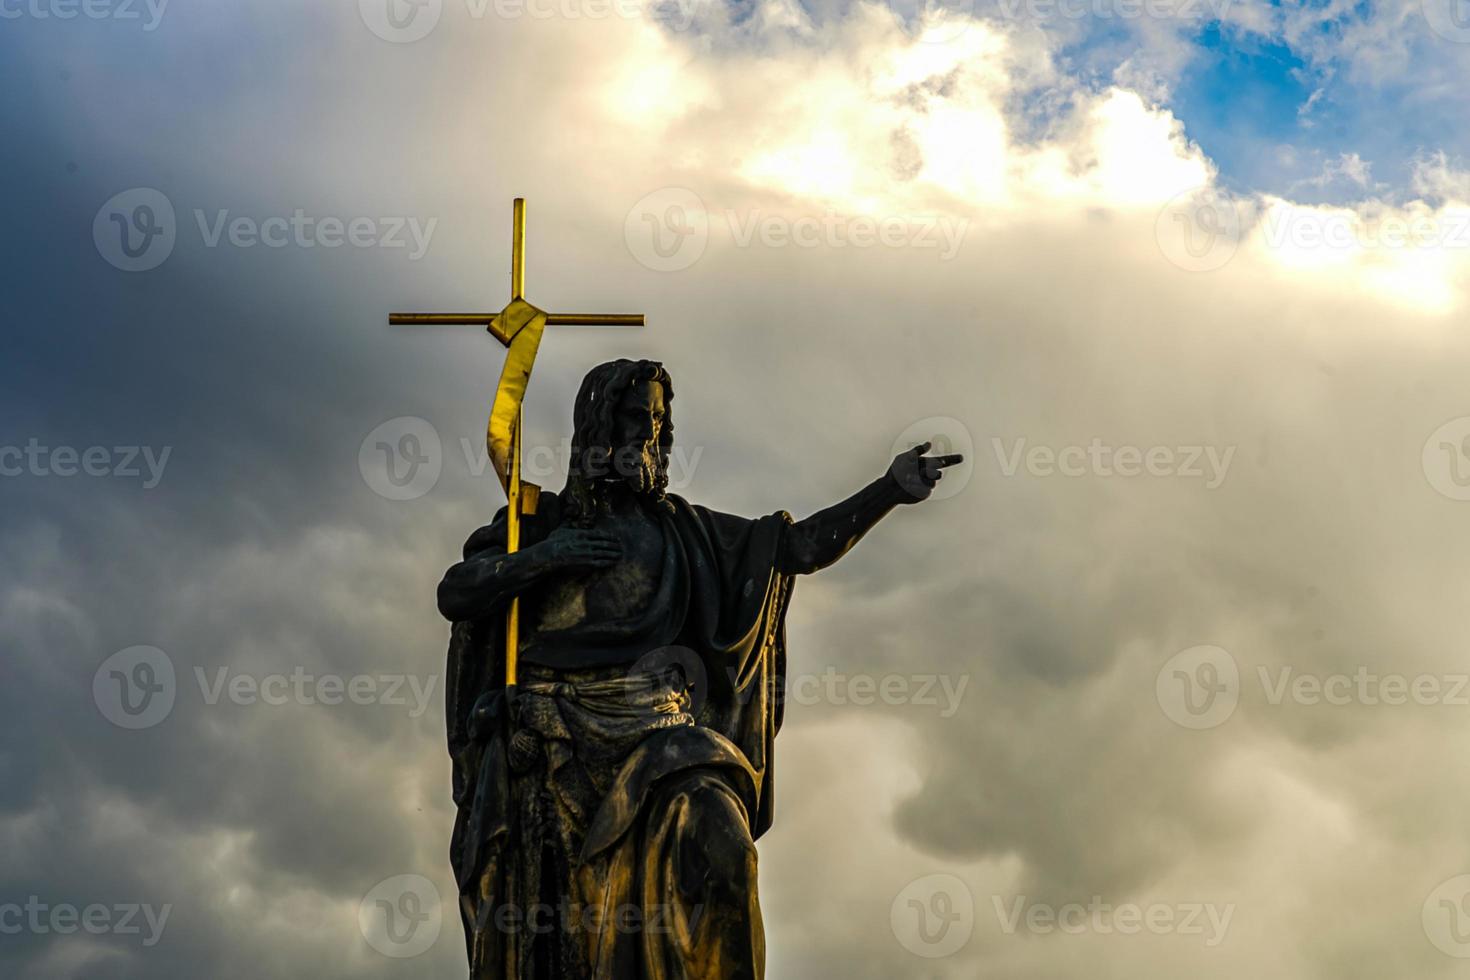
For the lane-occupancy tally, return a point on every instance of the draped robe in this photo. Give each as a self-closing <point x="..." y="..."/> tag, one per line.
<point x="649" y="860"/>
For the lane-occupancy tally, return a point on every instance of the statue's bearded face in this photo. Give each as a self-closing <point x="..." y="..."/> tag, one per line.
<point x="637" y="426"/>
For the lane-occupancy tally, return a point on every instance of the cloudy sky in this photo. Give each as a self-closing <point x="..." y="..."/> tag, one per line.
<point x="1171" y="682"/>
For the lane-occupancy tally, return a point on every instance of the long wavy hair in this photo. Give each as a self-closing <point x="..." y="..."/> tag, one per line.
<point x="594" y="417"/>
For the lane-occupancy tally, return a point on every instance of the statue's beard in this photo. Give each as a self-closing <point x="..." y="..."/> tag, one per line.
<point x="639" y="466"/>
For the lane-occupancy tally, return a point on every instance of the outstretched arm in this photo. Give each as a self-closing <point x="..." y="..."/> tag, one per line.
<point x="485" y="581"/>
<point x="827" y="535"/>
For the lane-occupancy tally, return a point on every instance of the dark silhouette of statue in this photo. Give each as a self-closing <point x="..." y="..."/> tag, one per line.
<point x="607" y="815"/>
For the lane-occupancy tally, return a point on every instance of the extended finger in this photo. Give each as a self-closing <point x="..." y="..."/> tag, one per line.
<point x="943" y="461"/>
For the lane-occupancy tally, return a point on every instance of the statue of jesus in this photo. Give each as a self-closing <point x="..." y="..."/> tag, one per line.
<point x="608" y="812"/>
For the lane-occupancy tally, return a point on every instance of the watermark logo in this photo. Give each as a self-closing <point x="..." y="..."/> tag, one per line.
<point x="135" y="688"/>
<point x="1446" y="458"/>
<point x="668" y="230"/>
<point x="946" y="436"/>
<point x="1450" y="19"/>
<point x="136" y="229"/>
<point x="934" y="916"/>
<point x="682" y="667"/>
<point x="1198" y="230"/>
<point x="402" y="916"/>
<point x="941" y="21"/>
<point x="1199" y="688"/>
<point x="1446" y="917"/>
<point x="402" y="458"/>
<point x="401" y="21"/>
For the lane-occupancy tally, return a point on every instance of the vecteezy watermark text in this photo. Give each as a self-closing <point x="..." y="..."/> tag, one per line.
<point x="123" y="462"/>
<point x="119" y="10"/>
<point x="300" y="687"/>
<point x="860" y="690"/>
<point x="407" y="21"/>
<point x="544" y="918"/>
<point x="1097" y="459"/>
<point x="40" y="918"/>
<point x="1125" y="919"/>
<point x="1314" y="228"/>
<point x="669" y="230"/>
<point x="941" y="692"/>
<point x="1363" y="687"/>
<point x="544" y="462"/>
<point x="1170" y="10"/>
<point x="305" y="231"/>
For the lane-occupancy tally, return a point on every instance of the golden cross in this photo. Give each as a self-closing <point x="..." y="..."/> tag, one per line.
<point x="519" y="327"/>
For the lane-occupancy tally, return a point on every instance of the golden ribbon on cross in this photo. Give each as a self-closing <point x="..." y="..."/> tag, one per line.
<point x="519" y="327"/>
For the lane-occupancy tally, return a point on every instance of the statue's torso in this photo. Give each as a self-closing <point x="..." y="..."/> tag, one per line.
<point x="618" y="592"/>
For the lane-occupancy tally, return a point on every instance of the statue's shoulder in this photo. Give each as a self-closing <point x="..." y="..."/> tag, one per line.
<point x="533" y="526"/>
<point x="718" y="516"/>
<point x="686" y="512"/>
<point x="719" y="519"/>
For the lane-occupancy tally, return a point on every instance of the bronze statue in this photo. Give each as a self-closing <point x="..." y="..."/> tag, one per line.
<point x="610" y="797"/>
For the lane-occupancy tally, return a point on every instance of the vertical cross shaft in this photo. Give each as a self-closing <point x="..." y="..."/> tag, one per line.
<point x="513" y="477"/>
<point x="518" y="249"/>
